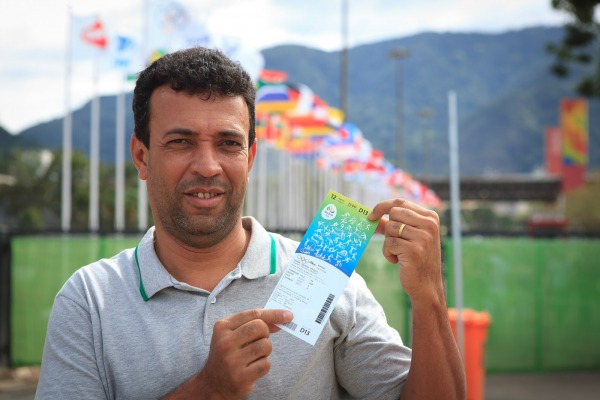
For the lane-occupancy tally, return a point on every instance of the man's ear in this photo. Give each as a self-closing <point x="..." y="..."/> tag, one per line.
<point x="251" y="155"/>
<point x="139" y="154"/>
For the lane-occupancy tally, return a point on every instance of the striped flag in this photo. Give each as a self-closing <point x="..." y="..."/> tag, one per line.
<point x="574" y="129"/>
<point x="278" y="98"/>
<point x="574" y="133"/>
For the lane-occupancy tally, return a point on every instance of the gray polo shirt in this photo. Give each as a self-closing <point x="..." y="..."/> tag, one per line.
<point x="105" y="341"/>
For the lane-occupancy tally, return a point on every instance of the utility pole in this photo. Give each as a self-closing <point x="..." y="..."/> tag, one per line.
<point x="398" y="54"/>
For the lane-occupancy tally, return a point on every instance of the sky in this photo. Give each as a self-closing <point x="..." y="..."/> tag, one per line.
<point x="34" y="37"/>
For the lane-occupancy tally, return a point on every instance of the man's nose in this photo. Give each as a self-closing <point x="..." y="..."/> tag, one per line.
<point x="206" y="162"/>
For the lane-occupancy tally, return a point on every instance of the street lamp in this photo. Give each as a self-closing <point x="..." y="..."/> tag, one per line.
<point x="398" y="54"/>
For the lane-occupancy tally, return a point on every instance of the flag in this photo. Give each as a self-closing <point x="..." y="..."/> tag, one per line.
<point x="553" y="151"/>
<point x="574" y="131"/>
<point x="270" y="76"/>
<point x="270" y="127"/>
<point x="305" y="100"/>
<point x="125" y="55"/>
<point x="125" y="47"/>
<point x="277" y="98"/>
<point x="344" y="143"/>
<point x="574" y="137"/>
<point x="311" y="119"/>
<point x="354" y="170"/>
<point x="170" y="28"/>
<point x="335" y="117"/>
<point x="88" y="36"/>
<point x="94" y="35"/>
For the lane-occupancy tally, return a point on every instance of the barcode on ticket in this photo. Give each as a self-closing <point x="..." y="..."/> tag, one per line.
<point x="325" y="308"/>
<point x="291" y="326"/>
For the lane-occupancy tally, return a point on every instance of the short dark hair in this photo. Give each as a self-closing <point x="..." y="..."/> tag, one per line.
<point x="196" y="70"/>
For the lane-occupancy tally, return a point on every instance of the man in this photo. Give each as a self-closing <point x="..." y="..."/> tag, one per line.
<point x="180" y="315"/>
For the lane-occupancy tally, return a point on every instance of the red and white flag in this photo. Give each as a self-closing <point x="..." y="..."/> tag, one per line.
<point x="88" y="36"/>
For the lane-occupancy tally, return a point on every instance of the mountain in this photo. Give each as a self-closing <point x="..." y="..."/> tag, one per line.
<point x="506" y="99"/>
<point x="8" y="141"/>
<point x="506" y="96"/>
<point x="49" y="134"/>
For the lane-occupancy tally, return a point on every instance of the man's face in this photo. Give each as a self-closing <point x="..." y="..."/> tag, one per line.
<point x="197" y="165"/>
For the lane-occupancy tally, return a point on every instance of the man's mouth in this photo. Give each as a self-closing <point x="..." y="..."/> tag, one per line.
<point x="204" y="195"/>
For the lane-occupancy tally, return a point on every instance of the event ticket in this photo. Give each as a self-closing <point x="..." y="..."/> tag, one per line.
<point x="321" y="266"/>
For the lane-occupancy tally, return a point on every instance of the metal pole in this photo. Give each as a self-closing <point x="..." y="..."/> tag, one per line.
<point x="94" y="216"/>
<point x="344" y="61"/>
<point x="455" y="213"/>
<point x="67" y="137"/>
<point x="120" y="163"/>
<point x="142" y="188"/>
<point x="425" y="114"/>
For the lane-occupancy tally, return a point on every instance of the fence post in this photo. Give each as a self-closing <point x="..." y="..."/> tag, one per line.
<point x="5" y="296"/>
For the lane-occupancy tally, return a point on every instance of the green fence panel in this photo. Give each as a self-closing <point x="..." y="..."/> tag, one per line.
<point x="40" y="266"/>
<point x="543" y="296"/>
<point x="383" y="280"/>
<point x="570" y="304"/>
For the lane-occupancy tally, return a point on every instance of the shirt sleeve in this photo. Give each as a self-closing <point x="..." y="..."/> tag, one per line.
<point x="371" y="362"/>
<point x="69" y="369"/>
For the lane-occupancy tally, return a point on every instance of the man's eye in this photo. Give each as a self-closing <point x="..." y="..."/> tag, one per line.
<point x="178" y="141"/>
<point x="230" y="143"/>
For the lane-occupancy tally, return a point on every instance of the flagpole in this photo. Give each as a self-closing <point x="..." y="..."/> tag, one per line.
<point x="455" y="213"/>
<point x="67" y="135"/>
<point x="120" y="163"/>
<point x="283" y="209"/>
<point x="261" y="207"/>
<point x="94" y="152"/>
<point x="142" y="193"/>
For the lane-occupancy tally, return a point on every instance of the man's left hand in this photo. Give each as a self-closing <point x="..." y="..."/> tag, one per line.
<point x="412" y="237"/>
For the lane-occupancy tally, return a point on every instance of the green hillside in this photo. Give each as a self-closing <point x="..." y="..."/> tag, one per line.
<point x="506" y="96"/>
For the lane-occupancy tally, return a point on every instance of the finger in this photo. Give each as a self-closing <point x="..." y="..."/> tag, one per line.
<point x="381" y="226"/>
<point x="399" y="211"/>
<point x="399" y="230"/>
<point x="259" y="367"/>
<point x="270" y="317"/>
<point x="390" y="249"/>
<point x="256" y="350"/>
<point x="383" y="208"/>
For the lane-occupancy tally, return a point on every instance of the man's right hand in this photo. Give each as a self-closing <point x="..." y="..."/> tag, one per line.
<point x="238" y="356"/>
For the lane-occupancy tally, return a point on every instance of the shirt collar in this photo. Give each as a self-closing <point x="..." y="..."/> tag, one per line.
<point x="260" y="254"/>
<point x="256" y="263"/>
<point x="153" y="275"/>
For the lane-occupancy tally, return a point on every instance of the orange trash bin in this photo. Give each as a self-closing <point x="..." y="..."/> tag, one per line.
<point x="475" y="328"/>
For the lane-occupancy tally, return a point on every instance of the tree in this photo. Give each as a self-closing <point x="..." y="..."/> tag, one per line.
<point x="580" y="45"/>
<point x="32" y="203"/>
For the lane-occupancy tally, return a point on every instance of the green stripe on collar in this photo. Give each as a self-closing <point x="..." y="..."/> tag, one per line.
<point x="273" y="256"/>
<point x="273" y="268"/>
<point x="142" y="289"/>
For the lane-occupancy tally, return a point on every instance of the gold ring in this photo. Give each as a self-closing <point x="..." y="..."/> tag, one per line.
<point x="401" y="230"/>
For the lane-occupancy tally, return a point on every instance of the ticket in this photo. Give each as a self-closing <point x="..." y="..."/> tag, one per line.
<point x="320" y="268"/>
